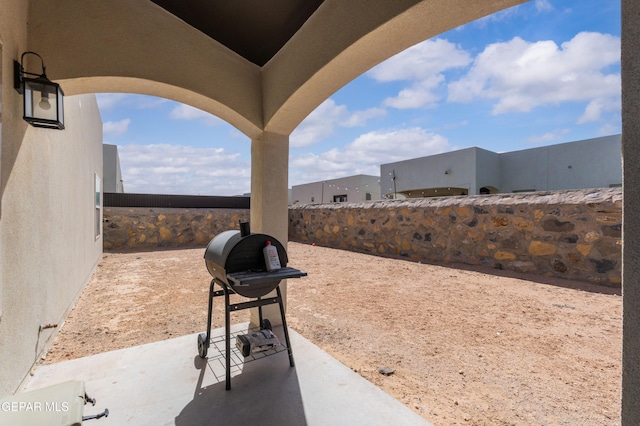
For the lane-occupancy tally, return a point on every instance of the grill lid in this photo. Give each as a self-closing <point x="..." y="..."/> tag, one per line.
<point x="219" y="247"/>
<point x="233" y="252"/>
<point x="237" y="261"/>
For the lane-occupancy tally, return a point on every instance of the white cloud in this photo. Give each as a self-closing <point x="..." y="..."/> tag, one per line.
<point x="360" y="118"/>
<point x="187" y="112"/>
<point x="365" y="154"/>
<point x="420" y="61"/>
<point x="115" y="128"/>
<point x="455" y="125"/>
<point x="510" y="13"/>
<point x="147" y="102"/>
<point x="543" y="5"/>
<point x="321" y="123"/>
<point x="595" y="109"/>
<point x="423" y="65"/>
<point x="610" y="129"/>
<point x="420" y="94"/>
<point x="520" y="75"/>
<point x="109" y="101"/>
<point x="396" y="145"/>
<point x="500" y="16"/>
<point x="173" y="169"/>
<point x="549" y="137"/>
<point x="318" y="125"/>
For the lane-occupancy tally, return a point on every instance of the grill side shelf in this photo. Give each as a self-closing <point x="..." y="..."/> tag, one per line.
<point x="249" y="277"/>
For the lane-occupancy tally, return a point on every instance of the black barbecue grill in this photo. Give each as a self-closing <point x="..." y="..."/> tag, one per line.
<point x="236" y="262"/>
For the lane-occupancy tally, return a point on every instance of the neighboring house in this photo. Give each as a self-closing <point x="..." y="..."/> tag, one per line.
<point x="111" y="167"/>
<point x="590" y="163"/>
<point x="352" y="188"/>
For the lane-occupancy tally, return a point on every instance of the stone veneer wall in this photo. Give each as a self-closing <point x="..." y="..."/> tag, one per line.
<point x="570" y="234"/>
<point x="148" y="228"/>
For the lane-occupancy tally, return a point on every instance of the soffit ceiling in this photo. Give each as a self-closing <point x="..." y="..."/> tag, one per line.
<point x="254" y="29"/>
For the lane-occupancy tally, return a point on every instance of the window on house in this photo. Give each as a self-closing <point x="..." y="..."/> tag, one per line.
<point x="98" y="206"/>
<point x="340" y="198"/>
<point x="367" y="196"/>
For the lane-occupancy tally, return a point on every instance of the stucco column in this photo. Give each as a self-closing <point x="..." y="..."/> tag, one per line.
<point x="631" y="213"/>
<point x="270" y="199"/>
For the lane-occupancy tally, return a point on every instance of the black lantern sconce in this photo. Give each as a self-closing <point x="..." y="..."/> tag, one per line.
<point x="43" y="99"/>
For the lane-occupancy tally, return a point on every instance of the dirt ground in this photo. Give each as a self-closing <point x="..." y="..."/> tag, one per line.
<point x="468" y="347"/>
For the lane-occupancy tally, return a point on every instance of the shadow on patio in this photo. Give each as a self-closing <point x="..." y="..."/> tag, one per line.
<point x="166" y="382"/>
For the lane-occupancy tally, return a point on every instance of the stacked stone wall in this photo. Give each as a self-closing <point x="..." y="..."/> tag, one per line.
<point x="570" y="234"/>
<point x="149" y="228"/>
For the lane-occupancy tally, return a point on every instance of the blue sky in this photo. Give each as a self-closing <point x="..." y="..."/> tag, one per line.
<point x="541" y="73"/>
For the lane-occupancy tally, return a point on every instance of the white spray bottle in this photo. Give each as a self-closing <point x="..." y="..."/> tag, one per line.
<point x="271" y="258"/>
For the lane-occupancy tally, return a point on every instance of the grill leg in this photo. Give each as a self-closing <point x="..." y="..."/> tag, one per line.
<point x="209" y="313"/>
<point x="227" y="336"/>
<point x="284" y="327"/>
<point x="204" y="339"/>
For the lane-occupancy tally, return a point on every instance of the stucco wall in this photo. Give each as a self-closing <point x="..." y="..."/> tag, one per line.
<point x="548" y="168"/>
<point x="112" y="181"/>
<point x="49" y="244"/>
<point x="354" y="187"/>
<point x="423" y="172"/>
<point x="489" y="172"/>
<point x="564" y="166"/>
<point x="569" y="234"/>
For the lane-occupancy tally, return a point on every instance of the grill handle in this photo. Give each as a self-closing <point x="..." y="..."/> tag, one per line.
<point x="244" y="229"/>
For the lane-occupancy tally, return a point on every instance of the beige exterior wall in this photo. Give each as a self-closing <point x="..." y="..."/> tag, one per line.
<point x="48" y="247"/>
<point x="177" y="62"/>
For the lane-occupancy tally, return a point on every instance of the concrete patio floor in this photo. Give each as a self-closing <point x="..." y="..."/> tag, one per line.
<point x="166" y="383"/>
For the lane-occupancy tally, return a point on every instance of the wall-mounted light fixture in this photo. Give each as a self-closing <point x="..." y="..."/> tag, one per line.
<point x="43" y="99"/>
<point x="447" y="172"/>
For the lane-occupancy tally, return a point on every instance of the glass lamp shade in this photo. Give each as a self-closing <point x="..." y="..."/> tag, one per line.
<point x="43" y="103"/>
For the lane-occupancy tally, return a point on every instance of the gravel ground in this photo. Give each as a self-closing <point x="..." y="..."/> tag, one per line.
<point x="467" y="347"/>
